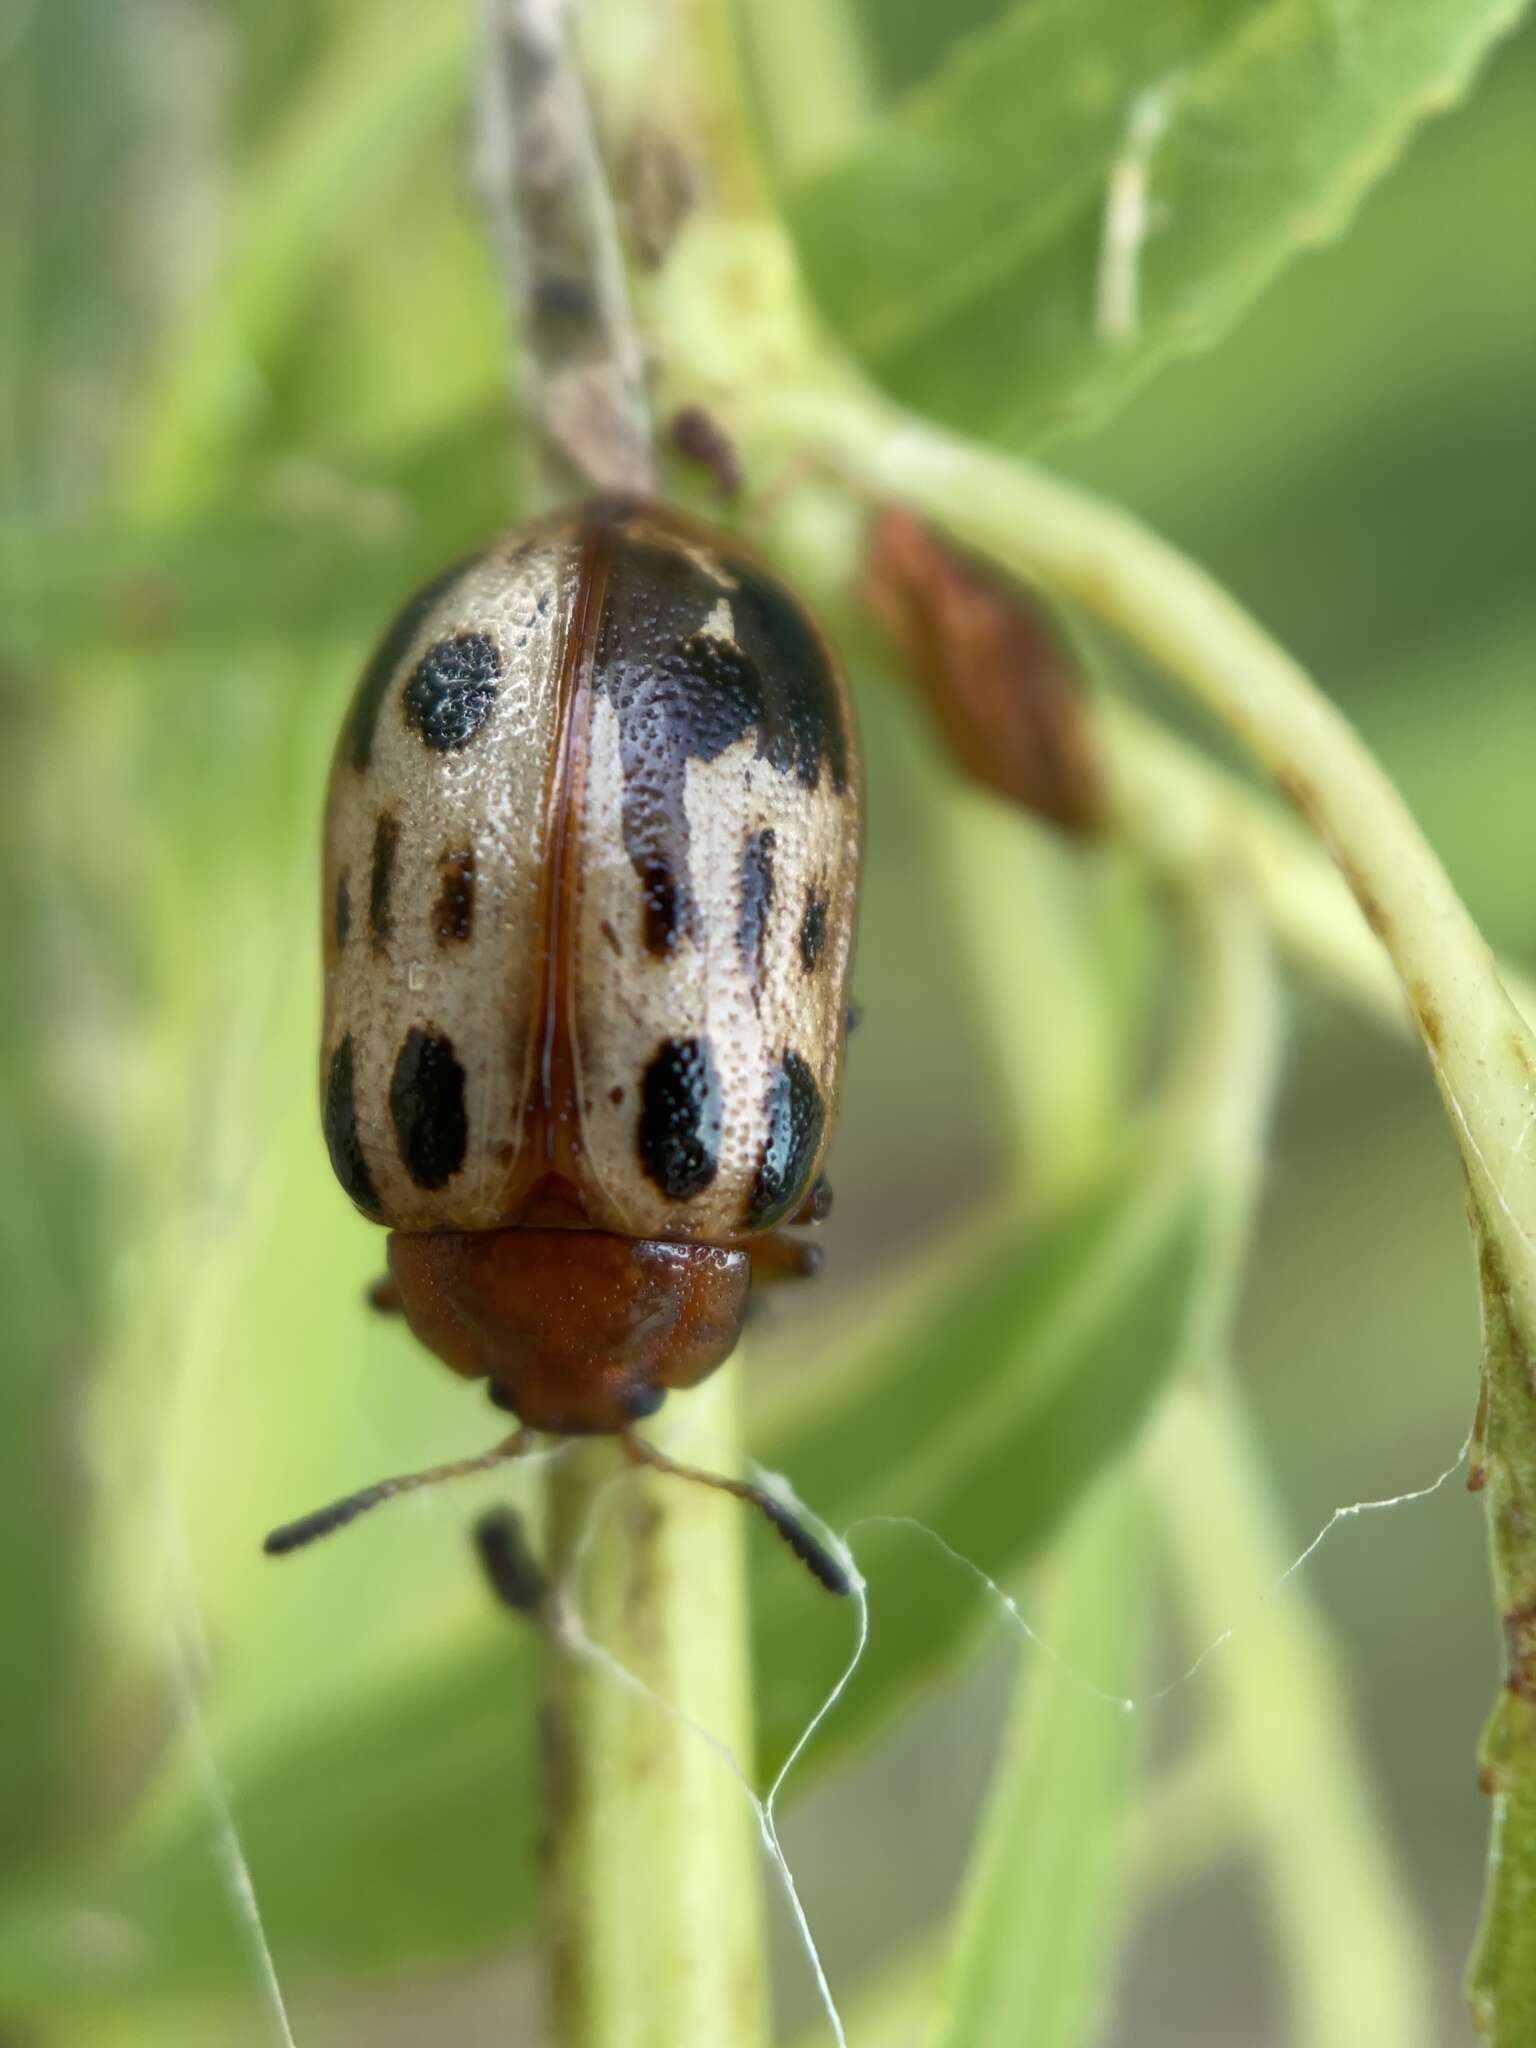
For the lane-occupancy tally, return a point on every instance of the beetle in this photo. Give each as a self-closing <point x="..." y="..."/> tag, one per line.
<point x="592" y="851"/>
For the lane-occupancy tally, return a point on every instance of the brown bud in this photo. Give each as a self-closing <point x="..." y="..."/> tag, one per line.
<point x="698" y="438"/>
<point x="999" y="678"/>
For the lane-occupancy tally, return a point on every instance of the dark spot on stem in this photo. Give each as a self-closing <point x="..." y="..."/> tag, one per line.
<point x="1427" y="1011"/>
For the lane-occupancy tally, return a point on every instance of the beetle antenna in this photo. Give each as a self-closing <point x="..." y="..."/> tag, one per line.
<point x="813" y="1554"/>
<point x="294" y="1535"/>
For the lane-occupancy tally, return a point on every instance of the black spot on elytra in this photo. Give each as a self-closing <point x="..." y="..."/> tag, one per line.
<point x="756" y="898"/>
<point x="679" y="1128"/>
<point x="813" y="930"/>
<point x="662" y="908"/>
<point x="796" y="1118"/>
<point x="453" y="915"/>
<point x="343" y="913"/>
<point x="381" y="885"/>
<point x="426" y="1100"/>
<point x="451" y="691"/>
<point x="363" y="719"/>
<point x="682" y="694"/>
<point x="338" y="1118"/>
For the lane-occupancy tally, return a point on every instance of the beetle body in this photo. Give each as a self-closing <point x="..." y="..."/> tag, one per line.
<point x="591" y="863"/>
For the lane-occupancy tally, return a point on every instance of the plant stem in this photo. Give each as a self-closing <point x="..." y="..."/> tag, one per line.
<point x="1185" y="815"/>
<point x="654" y="1934"/>
<point x="1501" y="1982"/>
<point x="552" y="215"/>
<point x="651" y="1865"/>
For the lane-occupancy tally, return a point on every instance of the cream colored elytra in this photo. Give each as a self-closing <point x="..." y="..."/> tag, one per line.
<point x="591" y="859"/>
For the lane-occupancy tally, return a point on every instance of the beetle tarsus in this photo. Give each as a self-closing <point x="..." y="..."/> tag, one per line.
<point x="778" y="1257"/>
<point x="827" y="1569"/>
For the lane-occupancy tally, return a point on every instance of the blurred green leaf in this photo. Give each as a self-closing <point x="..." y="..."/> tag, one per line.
<point x="1035" y="1938"/>
<point x="961" y="250"/>
<point x="391" y="73"/>
<point x="51" y="1254"/>
<point x="1355" y="1963"/>
<point x="289" y="557"/>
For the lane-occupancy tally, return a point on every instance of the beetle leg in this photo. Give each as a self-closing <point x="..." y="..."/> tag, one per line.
<point x="817" y="1205"/>
<point x="823" y="1564"/>
<point x="777" y="1257"/>
<point x="384" y="1295"/>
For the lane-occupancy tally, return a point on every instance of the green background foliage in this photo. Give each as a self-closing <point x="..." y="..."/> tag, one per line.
<point x="254" y="372"/>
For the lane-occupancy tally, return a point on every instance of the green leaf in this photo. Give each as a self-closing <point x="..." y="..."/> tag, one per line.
<point x="1350" y="1953"/>
<point x="390" y="74"/>
<point x="1035" y="1937"/>
<point x="393" y="1836"/>
<point x="960" y="250"/>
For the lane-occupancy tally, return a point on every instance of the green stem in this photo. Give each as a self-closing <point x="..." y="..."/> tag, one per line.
<point x="654" y="1936"/>
<point x="1501" y="1983"/>
<point x="652" y="1880"/>
<point x="1187" y="816"/>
